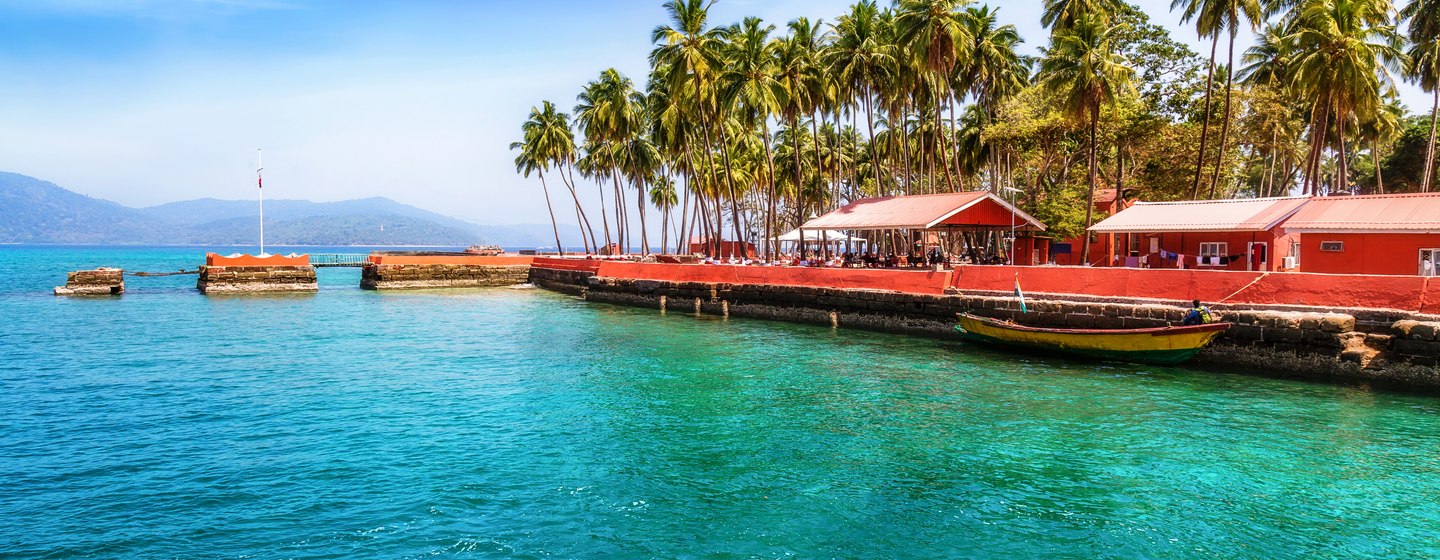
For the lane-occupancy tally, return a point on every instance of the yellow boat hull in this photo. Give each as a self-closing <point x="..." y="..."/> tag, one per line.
<point x="1161" y="345"/>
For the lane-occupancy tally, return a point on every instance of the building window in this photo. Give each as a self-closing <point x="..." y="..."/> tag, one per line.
<point x="1295" y="254"/>
<point x="1430" y="262"/>
<point x="1332" y="246"/>
<point x="1213" y="254"/>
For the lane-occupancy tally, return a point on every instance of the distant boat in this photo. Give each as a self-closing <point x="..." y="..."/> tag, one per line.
<point x="485" y="250"/>
<point x="1158" y="345"/>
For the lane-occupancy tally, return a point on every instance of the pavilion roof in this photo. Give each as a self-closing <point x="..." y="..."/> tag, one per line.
<point x="925" y="211"/>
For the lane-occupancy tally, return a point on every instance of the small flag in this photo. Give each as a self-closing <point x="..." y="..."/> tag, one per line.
<point x="259" y="182"/>
<point x="1020" y="294"/>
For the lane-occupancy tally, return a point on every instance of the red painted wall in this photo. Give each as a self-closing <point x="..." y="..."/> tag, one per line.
<point x="1409" y="293"/>
<point x="586" y="265"/>
<point x="451" y="259"/>
<point x="909" y="281"/>
<point x="1366" y="253"/>
<point x="1288" y="288"/>
<point x="212" y="259"/>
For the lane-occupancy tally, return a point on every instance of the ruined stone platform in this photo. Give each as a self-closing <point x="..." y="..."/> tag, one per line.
<point x="97" y="282"/>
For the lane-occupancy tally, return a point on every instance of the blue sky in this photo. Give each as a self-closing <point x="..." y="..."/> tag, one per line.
<point x="151" y="101"/>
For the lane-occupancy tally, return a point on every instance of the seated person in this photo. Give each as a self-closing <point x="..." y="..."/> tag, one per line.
<point x="1198" y="315"/>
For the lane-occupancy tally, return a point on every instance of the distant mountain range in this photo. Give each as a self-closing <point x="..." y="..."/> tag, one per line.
<point x="36" y="211"/>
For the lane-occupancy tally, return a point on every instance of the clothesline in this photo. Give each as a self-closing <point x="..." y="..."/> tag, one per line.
<point x="1213" y="260"/>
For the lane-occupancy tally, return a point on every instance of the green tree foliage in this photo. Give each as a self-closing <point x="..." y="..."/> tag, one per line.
<point x="742" y="130"/>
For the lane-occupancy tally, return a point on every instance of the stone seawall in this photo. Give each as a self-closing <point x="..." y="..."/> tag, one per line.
<point x="424" y="276"/>
<point x="256" y="279"/>
<point x="565" y="281"/>
<point x="97" y="282"/>
<point x="1359" y="345"/>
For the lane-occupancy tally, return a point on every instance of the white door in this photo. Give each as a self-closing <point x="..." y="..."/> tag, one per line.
<point x="1258" y="257"/>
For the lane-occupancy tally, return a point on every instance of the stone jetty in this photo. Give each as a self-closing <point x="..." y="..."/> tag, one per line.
<point x="246" y="274"/>
<point x="424" y="270"/>
<point x="98" y="282"/>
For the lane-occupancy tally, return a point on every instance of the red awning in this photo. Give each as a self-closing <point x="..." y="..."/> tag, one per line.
<point x="1242" y="214"/>
<point x="1407" y="213"/>
<point x="926" y="211"/>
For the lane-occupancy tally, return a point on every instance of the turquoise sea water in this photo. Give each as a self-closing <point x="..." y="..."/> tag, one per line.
<point x="526" y="424"/>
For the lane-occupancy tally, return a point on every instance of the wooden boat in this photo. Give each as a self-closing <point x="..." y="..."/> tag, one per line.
<point x="1159" y="345"/>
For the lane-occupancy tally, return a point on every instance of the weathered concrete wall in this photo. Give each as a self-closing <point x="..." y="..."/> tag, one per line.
<point x="97" y="282"/>
<point x="1381" y="345"/>
<point x="423" y="276"/>
<point x="256" y="279"/>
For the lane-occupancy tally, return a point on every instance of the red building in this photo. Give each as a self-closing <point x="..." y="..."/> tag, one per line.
<point x="1377" y="234"/>
<point x="1108" y="202"/>
<point x="1234" y="234"/>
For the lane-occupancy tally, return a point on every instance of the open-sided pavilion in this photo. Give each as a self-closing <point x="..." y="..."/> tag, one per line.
<point x="969" y="215"/>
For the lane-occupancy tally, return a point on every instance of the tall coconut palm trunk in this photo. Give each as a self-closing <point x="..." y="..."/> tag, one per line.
<point x="1430" y="146"/>
<point x="640" y="205"/>
<point x="870" y="126"/>
<point x="1225" y="124"/>
<point x="1205" y="128"/>
<point x="1090" y="195"/>
<point x="940" y="141"/>
<point x="567" y="176"/>
<point x="604" y="218"/>
<point x="554" y="226"/>
<point x="1375" y="160"/>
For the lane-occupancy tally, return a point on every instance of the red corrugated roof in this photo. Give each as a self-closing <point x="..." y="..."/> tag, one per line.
<point x="1244" y="214"/>
<point x="1418" y="213"/>
<point x="916" y="212"/>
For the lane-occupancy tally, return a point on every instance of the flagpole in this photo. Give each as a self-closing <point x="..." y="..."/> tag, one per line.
<point x="260" y="184"/>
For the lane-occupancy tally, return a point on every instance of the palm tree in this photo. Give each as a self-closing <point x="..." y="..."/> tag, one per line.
<point x="996" y="71"/>
<point x="662" y="195"/>
<point x="1212" y="17"/>
<point x="1382" y="128"/>
<point x="1424" y="53"/>
<point x="1228" y="16"/>
<point x="1345" y="51"/>
<point x="1083" y="70"/>
<point x="525" y="162"/>
<point x="1268" y="61"/>
<point x="937" y="33"/>
<point x="689" y="51"/>
<point x="750" y="82"/>
<point x="1061" y="15"/>
<point x="550" y="141"/>
<point x="860" y="61"/>
<point x="609" y="112"/>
